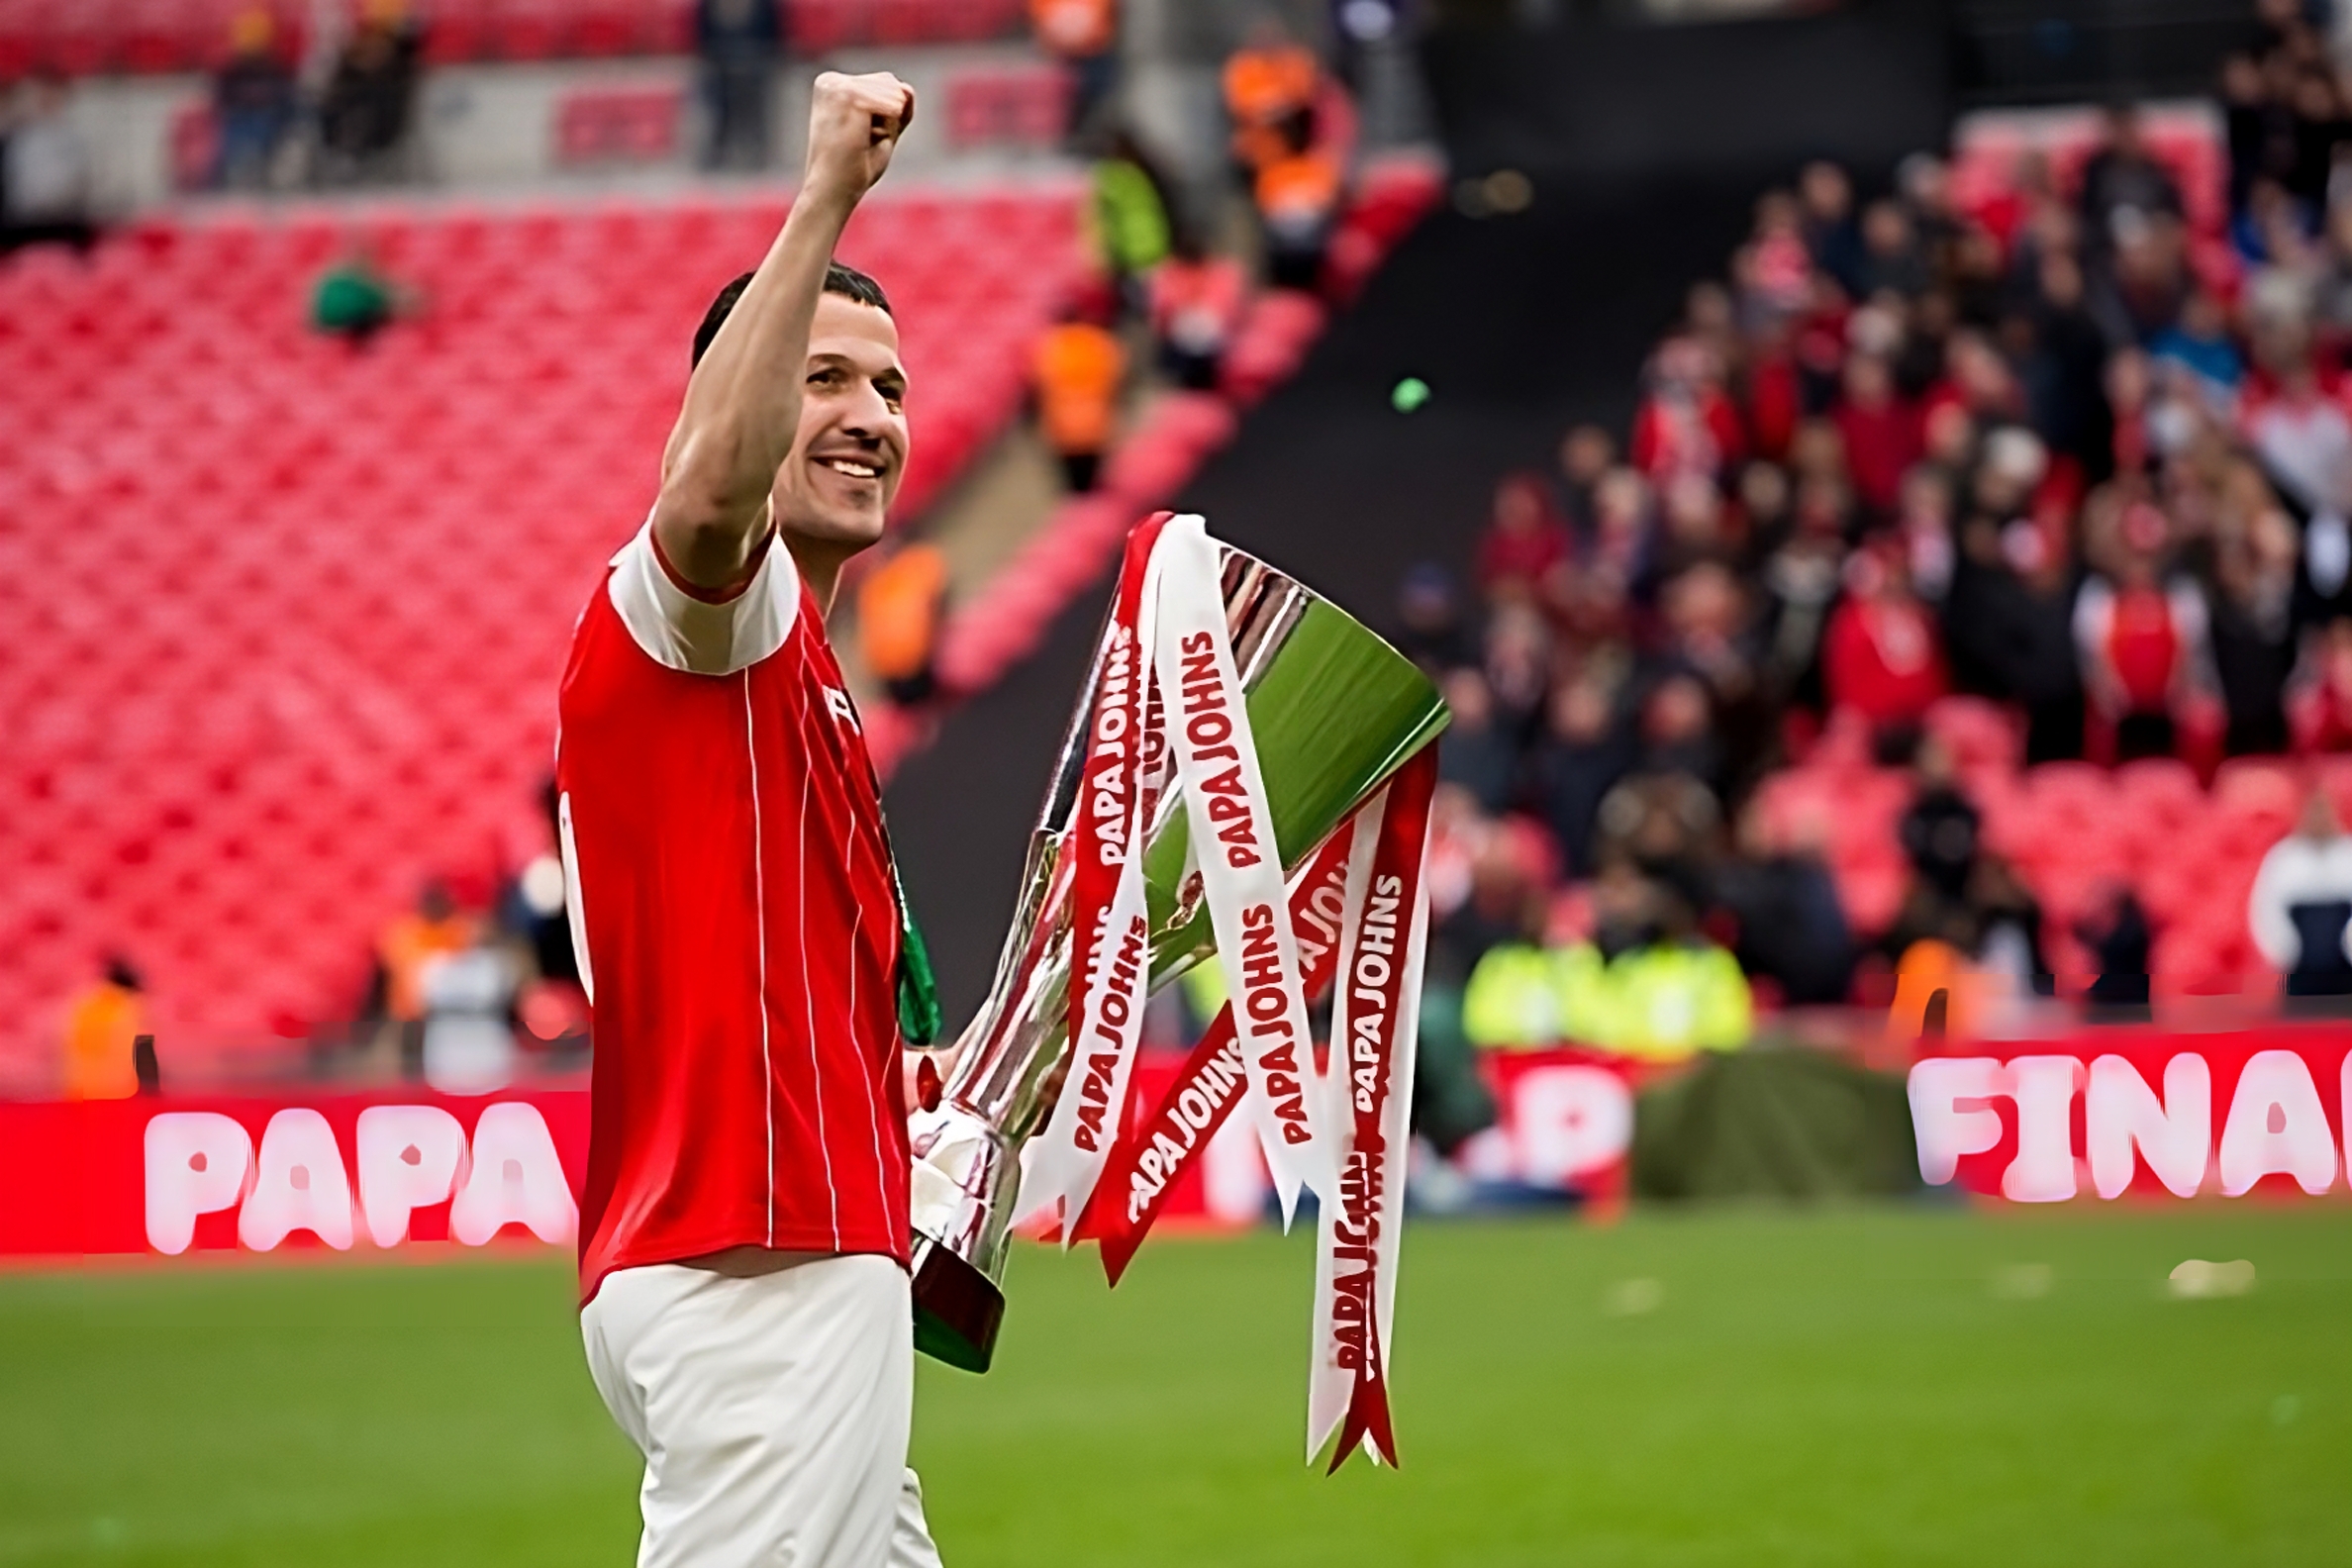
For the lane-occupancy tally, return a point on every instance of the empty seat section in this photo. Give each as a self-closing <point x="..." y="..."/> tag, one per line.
<point x="296" y="648"/>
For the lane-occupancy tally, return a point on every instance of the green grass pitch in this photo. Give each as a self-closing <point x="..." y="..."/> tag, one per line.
<point x="1901" y="1386"/>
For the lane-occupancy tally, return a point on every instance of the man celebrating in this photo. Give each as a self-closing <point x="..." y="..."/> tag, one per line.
<point x="745" y="1228"/>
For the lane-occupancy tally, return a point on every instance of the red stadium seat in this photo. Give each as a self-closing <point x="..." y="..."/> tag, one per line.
<point x="84" y="37"/>
<point x="344" y="689"/>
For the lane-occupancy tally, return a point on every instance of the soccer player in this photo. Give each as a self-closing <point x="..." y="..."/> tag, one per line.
<point x="745" y="1228"/>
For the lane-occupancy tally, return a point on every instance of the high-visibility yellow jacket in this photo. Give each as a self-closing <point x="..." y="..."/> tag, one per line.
<point x="1661" y="1001"/>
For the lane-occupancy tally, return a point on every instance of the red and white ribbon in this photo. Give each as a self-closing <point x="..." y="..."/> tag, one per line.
<point x="1110" y="945"/>
<point x="1170" y="694"/>
<point x="1240" y="866"/>
<point x="1152" y="1157"/>
<point x="1375" y="1020"/>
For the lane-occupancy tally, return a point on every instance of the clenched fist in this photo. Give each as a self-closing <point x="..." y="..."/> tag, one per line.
<point x="854" y="122"/>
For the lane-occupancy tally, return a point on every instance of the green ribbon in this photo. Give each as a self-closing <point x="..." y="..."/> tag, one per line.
<point x="918" y="988"/>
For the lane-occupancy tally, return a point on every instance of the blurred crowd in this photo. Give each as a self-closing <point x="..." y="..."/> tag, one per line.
<point x="2053" y="447"/>
<point x="1178" y="269"/>
<point x="337" y="113"/>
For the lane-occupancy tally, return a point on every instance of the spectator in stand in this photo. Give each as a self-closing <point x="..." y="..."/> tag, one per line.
<point x="435" y="928"/>
<point x="1084" y="36"/>
<point x="2250" y="603"/>
<point x="1788" y="927"/>
<point x="102" y="1026"/>
<point x="2260" y="129"/>
<point x="2120" y="939"/>
<point x="2124" y="184"/>
<point x="1297" y="195"/>
<point x="2331" y="296"/>
<point x="1801" y="581"/>
<point x="1475" y="755"/>
<point x="1882" y="657"/>
<point x="355" y="300"/>
<point x="1524" y="542"/>
<point x="2301" y="909"/>
<point x="1078" y="370"/>
<point x="740" y="44"/>
<point x="2320" y="128"/>
<point x="1430" y="629"/>
<point x="1196" y="298"/>
<point x="2319" y="702"/>
<point x="1941" y="831"/>
<point x="537" y="909"/>
<point x="1582" y="754"/>
<point x="1131" y="217"/>
<point x="1961" y="895"/>
<point x="1892" y="262"/>
<point x="2145" y="641"/>
<point x="1825" y="200"/>
<point x="369" y="100"/>
<point x="1773" y="273"/>
<point x="253" y="103"/>
<point x="2304" y="439"/>
<point x="45" y="172"/>
<point x="2063" y="351"/>
<point x="1516" y="656"/>
<point x="1879" y="432"/>
<point x="1686" y="425"/>
<point x="900" y="608"/>
<point x="1923" y="521"/>
<point x="1505" y="898"/>
<point x="468" y="997"/>
<point x="2010" y="622"/>
<point x="1270" y="85"/>
<point x="1665" y="816"/>
<point x="2201" y="343"/>
<point x="1587" y="453"/>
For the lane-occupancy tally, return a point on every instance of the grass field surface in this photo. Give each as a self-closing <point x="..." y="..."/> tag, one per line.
<point x="1899" y="1386"/>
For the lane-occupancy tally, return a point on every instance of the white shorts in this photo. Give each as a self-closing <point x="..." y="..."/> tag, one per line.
<point x="772" y="1411"/>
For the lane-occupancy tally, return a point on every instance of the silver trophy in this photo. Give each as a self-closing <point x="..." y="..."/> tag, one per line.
<point x="1334" y="711"/>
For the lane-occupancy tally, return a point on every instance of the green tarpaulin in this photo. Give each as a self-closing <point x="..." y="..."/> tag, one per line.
<point x="1776" y="1124"/>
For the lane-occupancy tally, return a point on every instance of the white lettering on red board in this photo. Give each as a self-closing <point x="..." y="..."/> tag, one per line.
<point x="2275" y="1125"/>
<point x="408" y="1157"/>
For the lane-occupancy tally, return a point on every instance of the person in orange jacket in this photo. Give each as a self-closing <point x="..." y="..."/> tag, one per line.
<point x="1269" y="88"/>
<point x="1078" y="369"/>
<point x="1298" y="206"/>
<point x="435" y="928"/>
<point x="899" y="608"/>
<point x="102" y="1026"/>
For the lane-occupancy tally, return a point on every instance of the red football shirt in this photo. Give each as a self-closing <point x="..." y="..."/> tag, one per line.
<point x="738" y="926"/>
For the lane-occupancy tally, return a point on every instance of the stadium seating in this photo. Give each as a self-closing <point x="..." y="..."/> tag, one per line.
<point x="80" y="37"/>
<point x="285" y="617"/>
<point x="1990" y="148"/>
<point x="2073" y="833"/>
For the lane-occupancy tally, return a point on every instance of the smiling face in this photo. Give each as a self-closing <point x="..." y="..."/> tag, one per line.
<point x="850" y="452"/>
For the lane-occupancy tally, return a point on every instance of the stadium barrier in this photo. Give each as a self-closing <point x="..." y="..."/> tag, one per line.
<point x="2143" y="1111"/>
<point x="2107" y="1112"/>
<point x="401" y="1168"/>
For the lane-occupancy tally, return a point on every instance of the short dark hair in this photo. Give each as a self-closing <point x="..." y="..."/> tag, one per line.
<point x="845" y="281"/>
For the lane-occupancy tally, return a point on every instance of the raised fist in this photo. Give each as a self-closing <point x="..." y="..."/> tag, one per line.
<point x="854" y="122"/>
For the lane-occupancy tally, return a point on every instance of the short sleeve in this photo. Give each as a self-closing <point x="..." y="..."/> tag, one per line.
<point x="686" y="632"/>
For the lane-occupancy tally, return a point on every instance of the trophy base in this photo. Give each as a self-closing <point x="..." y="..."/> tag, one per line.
<point x="957" y="1308"/>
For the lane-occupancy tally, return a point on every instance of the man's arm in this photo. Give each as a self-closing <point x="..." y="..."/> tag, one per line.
<point x="743" y="404"/>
